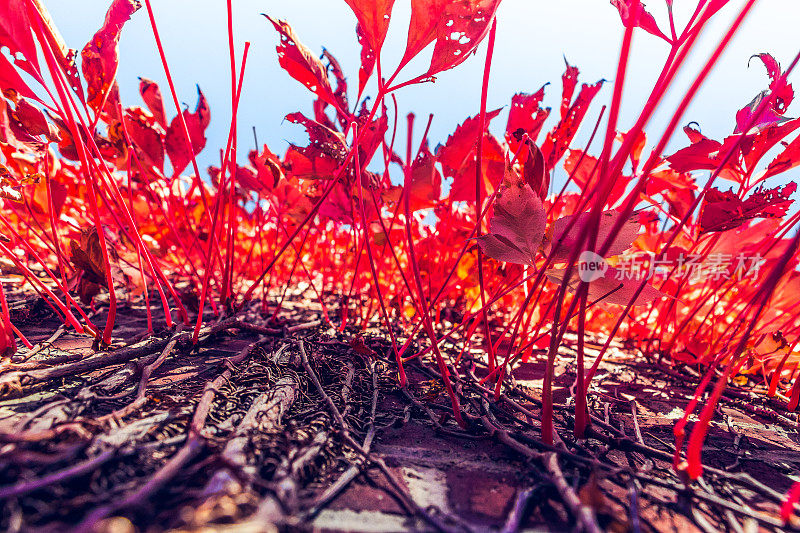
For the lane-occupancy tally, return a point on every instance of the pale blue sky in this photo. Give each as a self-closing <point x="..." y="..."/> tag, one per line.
<point x="532" y="38"/>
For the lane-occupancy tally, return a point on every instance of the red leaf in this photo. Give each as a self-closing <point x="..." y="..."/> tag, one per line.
<point x="534" y="170"/>
<point x="615" y="287"/>
<point x="368" y="59"/>
<point x="269" y="171"/>
<point x="677" y="188"/>
<point x="462" y="142"/>
<point x="372" y="134"/>
<point x="780" y="94"/>
<point x="754" y="147"/>
<point x="21" y="127"/>
<point x="87" y="255"/>
<point x="151" y="95"/>
<point x="768" y="117"/>
<point x="65" y="57"/>
<point x="100" y="58"/>
<point x="301" y="64"/>
<point x="33" y="121"/>
<point x="493" y="161"/>
<point x="782" y="89"/>
<point x="565" y="241"/>
<point x="299" y="165"/>
<point x="425" y="17"/>
<point x="568" y="82"/>
<point x="693" y="134"/>
<point x="679" y="201"/>
<point x="697" y="156"/>
<point x="465" y="24"/>
<point x="344" y="205"/>
<point x="59" y="194"/>
<point x="6" y="132"/>
<point x="373" y="18"/>
<point x="458" y="156"/>
<point x="15" y="30"/>
<point x="526" y="115"/>
<point x="786" y="160"/>
<point x="146" y="137"/>
<point x="341" y="87"/>
<point x="10" y="78"/>
<point x="587" y="175"/>
<point x="426" y="181"/>
<point x="723" y="211"/>
<point x="67" y="144"/>
<point x="457" y="26"/>
<point x="320" y="114"/>
<point x="245" y="178"/>
<point x="517" y="227"/>
<point x="178" y="148"/>
<point x="628" y="13"/>
<point x="701" y="154"/>
<point x="31" y="118"/>
<point x="373" y="23"/>
<point x="323" y="140"/>
<point x="559" y="139"/>
<point x="291" y="201"/>
<point x="636" y="148"/>
<point x="339" y="205"/>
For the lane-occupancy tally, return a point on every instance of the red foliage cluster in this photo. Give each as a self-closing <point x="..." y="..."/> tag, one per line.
<point x="475" y="240"/>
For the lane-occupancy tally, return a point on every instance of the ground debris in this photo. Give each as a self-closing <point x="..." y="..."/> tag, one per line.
<point x="266" y="428"/>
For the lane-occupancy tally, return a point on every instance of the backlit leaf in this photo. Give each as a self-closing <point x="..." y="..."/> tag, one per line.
<point x="373" y="23"/>
<point x="517" y="227"/>
<point x="633" y="12"/>
<point x="568" y="233"/>
<point x="457" y="26"/>
<point x="99" y="58"/>
<point x="178" y="147"/>
<point x="151" y="95"/>
<point x="722" y="211"/>
<point x="526" y="115"/>
<point x="780" y="94"/>
<point x="301" y="63"/>
<point x="558" y="140"/>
